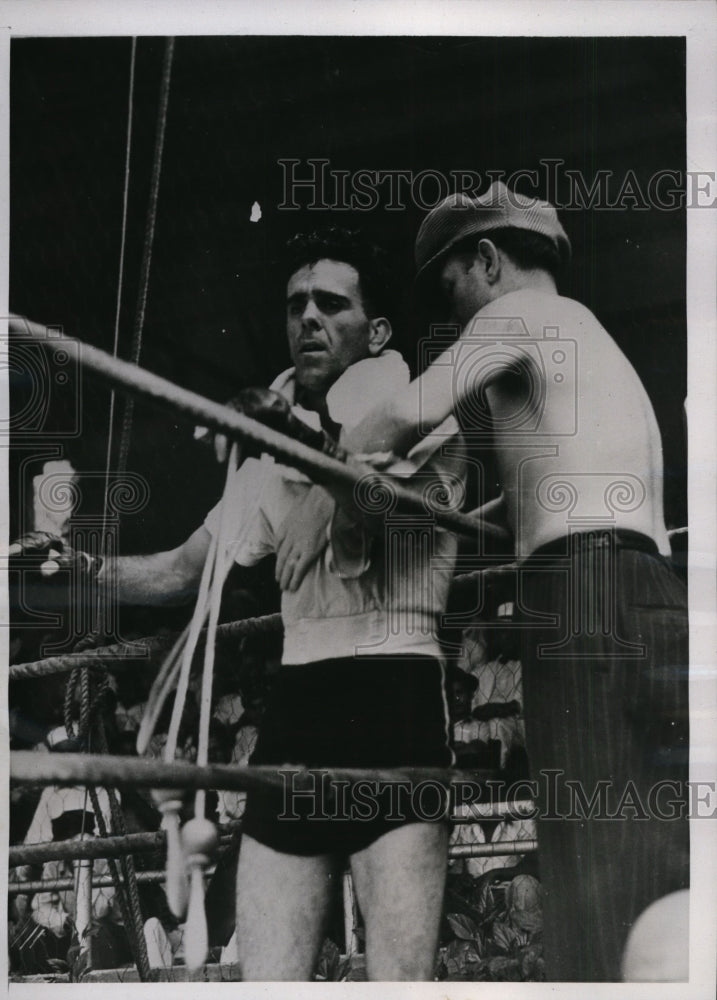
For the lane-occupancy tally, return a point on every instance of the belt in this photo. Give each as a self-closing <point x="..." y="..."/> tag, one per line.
<point x="597" y="538"/>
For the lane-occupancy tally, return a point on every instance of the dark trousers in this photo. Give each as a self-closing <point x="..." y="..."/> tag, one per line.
<point x="605" y="661"/>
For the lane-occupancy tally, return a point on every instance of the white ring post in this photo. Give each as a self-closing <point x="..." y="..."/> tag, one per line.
<point x="351" y="942"/>
<point x="83" y="906"/>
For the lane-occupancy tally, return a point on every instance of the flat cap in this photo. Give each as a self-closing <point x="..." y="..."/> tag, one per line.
<point x="458" y="216"/>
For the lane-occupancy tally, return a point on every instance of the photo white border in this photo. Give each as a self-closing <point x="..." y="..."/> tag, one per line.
<point x="697" y="21"/>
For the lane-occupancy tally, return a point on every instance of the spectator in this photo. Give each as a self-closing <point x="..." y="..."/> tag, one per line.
<point x="482" y="742"/>
<point x="47" y="928"/>
<point x="491" y="656"/>
<point x="470" y="748"/>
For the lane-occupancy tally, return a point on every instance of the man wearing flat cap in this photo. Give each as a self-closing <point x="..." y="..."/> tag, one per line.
<point x="601" y="612"/>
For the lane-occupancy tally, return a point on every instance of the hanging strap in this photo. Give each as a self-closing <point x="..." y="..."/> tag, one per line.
<point x="185" y="867"/>
<point x="120" y="276"/>
<point x="151" y="222"/>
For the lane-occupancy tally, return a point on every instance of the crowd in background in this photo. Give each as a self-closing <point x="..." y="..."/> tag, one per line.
<point x="41" y="925"/>
<point x="483" y="686"/>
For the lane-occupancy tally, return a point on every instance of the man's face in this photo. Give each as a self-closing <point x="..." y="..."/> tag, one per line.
<point x="327" y="325"/>
<point x="464" y="288"/>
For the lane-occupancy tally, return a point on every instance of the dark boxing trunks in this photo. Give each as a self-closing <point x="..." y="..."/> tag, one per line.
<point x="368" y="712"/>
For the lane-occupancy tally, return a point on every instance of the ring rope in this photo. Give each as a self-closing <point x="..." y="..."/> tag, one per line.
<point x="137" y="649"/>
<point x="477" y="850"/>
<point x="67" y="883"/>
<point x="142" y="772"/>
<point x="93" y="848"/>
<point x="527" y="846"/>
<point x="319" y="467"/>
<point x="32" y="768"/>
<point x="149" y="646"/>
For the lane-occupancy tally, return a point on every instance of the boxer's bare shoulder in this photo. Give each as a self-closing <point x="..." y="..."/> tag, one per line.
<point x="576" y="429"/>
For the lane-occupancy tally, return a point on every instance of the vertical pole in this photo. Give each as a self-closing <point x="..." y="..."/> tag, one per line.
<point x="350" y="915"/>
<point x="83" y="906"/>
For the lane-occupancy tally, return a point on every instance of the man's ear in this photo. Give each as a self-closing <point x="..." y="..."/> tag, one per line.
<point x="380" y="333"/>
<point x="488" y="257"/>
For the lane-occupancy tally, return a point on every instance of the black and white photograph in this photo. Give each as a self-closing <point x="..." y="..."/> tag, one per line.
<point x="359" y="538"/>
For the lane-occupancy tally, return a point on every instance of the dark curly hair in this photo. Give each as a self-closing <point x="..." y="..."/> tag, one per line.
<point x="348" y="246"/>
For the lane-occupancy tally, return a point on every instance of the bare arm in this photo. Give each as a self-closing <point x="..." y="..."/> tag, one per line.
<point x="460" y="373"/>
<point x="393" y="426"/>
<point x="165" y="578"/>
<point x="399" y="422"/>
